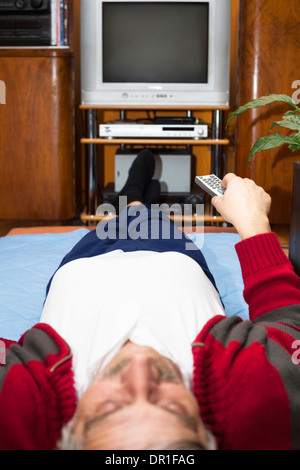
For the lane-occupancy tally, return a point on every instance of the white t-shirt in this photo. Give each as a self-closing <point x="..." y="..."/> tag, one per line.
<point x="156" y="299"/>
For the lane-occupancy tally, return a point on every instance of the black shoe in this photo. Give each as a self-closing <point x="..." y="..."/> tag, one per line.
<point x="152" y="193"/>
<point x="139" y="176"/>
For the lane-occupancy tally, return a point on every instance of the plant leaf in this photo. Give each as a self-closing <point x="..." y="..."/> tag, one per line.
<point x="294" y="147"/>
<point x="273" y="141"/>
<point x="289" y="122"/>
<point x="296" y="142"/>
<point x="263" y="101"/>
<point x="290" y="112"/>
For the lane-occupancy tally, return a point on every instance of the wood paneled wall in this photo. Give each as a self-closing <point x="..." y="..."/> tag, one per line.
<point x="268" y="63"/>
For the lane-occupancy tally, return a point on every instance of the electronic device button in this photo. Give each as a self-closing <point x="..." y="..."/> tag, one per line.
<point x="21" y="3"/>
<point x="36" y="3"/>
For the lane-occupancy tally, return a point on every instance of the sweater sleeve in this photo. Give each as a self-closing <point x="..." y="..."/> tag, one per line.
<point x="7" y="342"/>
<point x="269" y="279"/>
<point x="247" y="373"/>
<point x="37" y="392"/>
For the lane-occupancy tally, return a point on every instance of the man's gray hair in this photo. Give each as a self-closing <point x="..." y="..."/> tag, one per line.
<point x="69" y="441"/>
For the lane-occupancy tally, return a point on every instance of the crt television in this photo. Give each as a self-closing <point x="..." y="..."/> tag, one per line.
<point x="155" y="53"/>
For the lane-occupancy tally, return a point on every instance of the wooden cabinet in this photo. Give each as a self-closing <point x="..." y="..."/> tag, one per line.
<point x="37" y="131"/>
<point x="269" y="51"/>
<point x="36" y="135"/>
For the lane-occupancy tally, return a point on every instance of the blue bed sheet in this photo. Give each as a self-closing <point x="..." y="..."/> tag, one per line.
<point x="219" y="252"/>
<point x="28" y="261"/>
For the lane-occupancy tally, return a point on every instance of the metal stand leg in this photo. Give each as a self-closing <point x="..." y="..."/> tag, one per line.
<point x="217" y="150"/>
<point x="92" y="163"/>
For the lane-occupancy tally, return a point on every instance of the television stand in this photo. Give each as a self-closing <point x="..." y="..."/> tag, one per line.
<point x="96" y="114"/>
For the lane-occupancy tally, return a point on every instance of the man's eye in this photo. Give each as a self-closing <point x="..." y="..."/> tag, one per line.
<point x="107" y="406"/>
<point x="104" y="409"/>
<point x="174" y="406"/>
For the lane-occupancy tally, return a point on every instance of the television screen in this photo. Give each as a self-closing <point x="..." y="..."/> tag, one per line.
<point x="155" y="42"/>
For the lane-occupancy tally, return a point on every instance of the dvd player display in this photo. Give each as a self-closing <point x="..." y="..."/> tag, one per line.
<point x="160" y="131"/>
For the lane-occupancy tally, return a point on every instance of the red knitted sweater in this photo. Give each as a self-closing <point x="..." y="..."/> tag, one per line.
<point x="246" y="373"/>
<point x="37" y="393"/>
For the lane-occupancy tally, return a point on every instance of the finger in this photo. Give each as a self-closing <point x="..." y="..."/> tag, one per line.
<point x="227" y="178"/>
<point x="216" y="200"/>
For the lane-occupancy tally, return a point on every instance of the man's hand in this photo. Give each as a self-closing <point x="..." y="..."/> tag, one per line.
<point x="245" y="205"/>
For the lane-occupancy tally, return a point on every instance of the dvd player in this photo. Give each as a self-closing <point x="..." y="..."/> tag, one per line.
<point x="136" y="130"/>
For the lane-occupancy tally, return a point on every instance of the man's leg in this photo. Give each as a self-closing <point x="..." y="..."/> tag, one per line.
<point x="138" y="227"/>
<point x="143" y="228"/>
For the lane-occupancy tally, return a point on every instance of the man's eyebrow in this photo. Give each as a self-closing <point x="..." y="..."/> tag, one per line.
<point x="115" y="370"/>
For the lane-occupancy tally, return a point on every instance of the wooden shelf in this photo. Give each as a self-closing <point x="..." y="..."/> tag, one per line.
<point x="189" y="219"/>
<point x="37" y="52"/>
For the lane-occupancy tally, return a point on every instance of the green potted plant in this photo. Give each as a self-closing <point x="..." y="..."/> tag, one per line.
<point x="290" y="120"/>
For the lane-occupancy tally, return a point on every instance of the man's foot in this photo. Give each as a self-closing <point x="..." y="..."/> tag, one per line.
<point x="139" y="176"/>
<point x="152" y="192"/>
<point x="139" y="185"/>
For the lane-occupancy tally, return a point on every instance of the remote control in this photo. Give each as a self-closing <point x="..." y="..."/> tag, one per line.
<point x="211" y="184"/>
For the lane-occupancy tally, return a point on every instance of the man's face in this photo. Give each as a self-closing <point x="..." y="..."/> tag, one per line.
<point x="138" y="402"/>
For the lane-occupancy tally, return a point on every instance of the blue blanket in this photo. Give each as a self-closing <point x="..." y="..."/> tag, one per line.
<point x="28" y="261"/>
